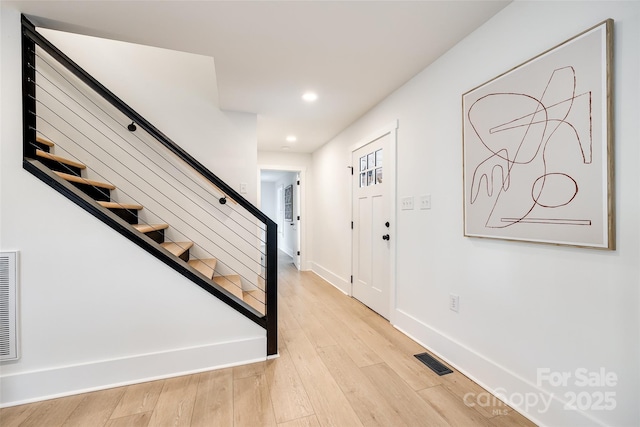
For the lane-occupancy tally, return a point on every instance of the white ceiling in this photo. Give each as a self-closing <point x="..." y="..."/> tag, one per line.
<point x="267" y="53"/>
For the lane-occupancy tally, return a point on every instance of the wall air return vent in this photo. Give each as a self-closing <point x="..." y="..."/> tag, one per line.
<point x="8" y="306"/>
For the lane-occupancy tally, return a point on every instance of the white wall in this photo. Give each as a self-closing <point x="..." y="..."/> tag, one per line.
<point x="523" y="307"/>
<point x="95" y="310"/>
<point x="269" y="199"/>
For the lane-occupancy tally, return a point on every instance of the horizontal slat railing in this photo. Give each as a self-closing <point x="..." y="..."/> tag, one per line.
<point x="264" y="235"/>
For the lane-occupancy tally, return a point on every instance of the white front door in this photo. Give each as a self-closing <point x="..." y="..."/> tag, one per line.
<point x="371" y="224"/>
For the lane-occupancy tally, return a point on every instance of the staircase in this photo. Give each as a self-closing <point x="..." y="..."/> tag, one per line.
<point x="227" y="249"/>
<point x="72" y="170"/>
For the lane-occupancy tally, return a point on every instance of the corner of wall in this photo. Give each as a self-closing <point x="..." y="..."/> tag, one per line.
<point x="343" y="285"/>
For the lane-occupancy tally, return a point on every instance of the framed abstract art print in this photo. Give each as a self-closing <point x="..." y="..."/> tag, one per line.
<point x="537" y="147"/>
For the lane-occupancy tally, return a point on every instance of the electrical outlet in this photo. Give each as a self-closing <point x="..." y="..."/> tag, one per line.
<point x="425" y="201"/>
<point x="454" y="302"/>
<point x="243" y="188"/>
<point x="406" y="203"/>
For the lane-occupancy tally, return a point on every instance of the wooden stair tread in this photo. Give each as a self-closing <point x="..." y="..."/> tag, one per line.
<point x="231" y="283"/>
<point x="147" y="228"/>
<point x="81" y="180"/>
<point x="255" y="295"/>
<point x="43" y="141"/>
<point x="45" y="155"/>
<point x="177" y="248"/>
<point x="116" y="205"/>
<point x="204" y="266"/>
<point x="253" y="299"/>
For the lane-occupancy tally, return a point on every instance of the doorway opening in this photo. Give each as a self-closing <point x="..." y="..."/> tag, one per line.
<point x="281" y="198"/>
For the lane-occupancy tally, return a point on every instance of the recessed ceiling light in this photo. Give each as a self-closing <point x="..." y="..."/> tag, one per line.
<point x="310" y="96"/>
<point x="292" y="138"/>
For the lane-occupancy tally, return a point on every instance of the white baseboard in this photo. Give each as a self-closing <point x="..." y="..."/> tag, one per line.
<point x="27" y="387"/>
<point x="338" y="282"/>
<point x="494" y="378"/>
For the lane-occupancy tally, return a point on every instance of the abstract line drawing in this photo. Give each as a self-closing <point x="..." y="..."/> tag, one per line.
<point x="536" y="144"/>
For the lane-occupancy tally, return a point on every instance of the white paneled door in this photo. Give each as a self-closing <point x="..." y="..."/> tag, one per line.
<point x="371" y="224"/>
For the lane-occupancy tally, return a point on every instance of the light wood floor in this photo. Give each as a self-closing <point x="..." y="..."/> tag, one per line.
<point x="340" y="365"/>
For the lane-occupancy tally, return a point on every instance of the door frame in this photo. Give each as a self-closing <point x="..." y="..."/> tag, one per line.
<point x="302" y="224"/>
<point x="392" y="130"/>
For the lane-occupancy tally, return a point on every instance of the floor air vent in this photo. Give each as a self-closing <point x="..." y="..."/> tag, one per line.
<point x="8" y="306"/>
<point x="432" y="363"/>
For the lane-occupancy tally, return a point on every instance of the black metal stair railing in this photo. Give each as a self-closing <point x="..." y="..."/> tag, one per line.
<point x="117" y="166"/>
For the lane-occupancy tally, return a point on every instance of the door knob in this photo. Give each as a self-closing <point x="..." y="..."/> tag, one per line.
<point x="385" y="237"/>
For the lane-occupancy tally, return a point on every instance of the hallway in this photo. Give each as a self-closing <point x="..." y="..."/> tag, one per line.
<point x="340" y="364"/>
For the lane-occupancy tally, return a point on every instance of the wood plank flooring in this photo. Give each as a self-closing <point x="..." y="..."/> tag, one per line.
<point x="340" y="365"/>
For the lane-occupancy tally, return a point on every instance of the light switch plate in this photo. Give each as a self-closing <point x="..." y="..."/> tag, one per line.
<point x="406" y="203"/>
<point x="425" y="201"/>
<point x="454" y="302"/>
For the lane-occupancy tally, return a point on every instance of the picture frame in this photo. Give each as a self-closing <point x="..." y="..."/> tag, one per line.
<point x="288" y="203"/>
<point x="538" y="147"/>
